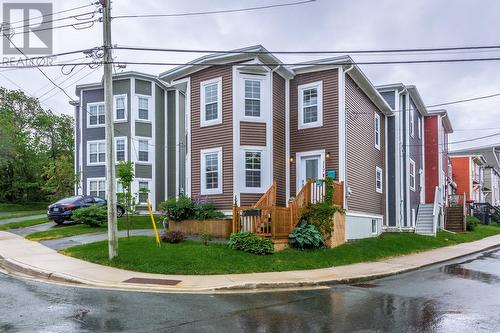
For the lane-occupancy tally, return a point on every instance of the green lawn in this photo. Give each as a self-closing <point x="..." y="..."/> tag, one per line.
<point x="22" y="214"/>
<point x="136" y="222"/>
<point x="23" y="207"/>
<point x="17" y="225"/>
<point x="142" y="254"/>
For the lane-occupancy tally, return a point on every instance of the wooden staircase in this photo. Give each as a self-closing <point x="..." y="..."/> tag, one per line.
<point x="455" y="219"/>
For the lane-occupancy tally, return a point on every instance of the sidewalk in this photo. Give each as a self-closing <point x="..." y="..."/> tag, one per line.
<point x="34" y="259"/>
<point x="22" y="219"/>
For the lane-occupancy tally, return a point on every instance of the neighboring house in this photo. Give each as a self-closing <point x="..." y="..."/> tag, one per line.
<point x="468" y="174"/>
<point x="141" y="121"/>
<point x="251" y="120"/>
<point x="406" y="156"/>
<point x="491" y="172"/>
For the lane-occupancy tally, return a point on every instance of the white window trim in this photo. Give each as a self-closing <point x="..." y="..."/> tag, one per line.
<point x="264" y="183"/>
<point x="96" y="179"/>
<point x="116" y="146"/>
<point x="150" y="151"/>
<point x="203" y="121"/>
<point x="412" y="184"/>
<point x="378" y="170"/>
<point x="88" y="115"/>
<point x="116" y="120"/>
<point x="138" y="119"/>
<point x="88" y="152"/>
<point x="263" y="97"/>
<point x="301" y="88"/>
<point x="377" y="130"/>
<point x="419" y="122"/>
<point x="219" y="189"/>
<point x="376" y="226"/>
<point x="144" y="180"/>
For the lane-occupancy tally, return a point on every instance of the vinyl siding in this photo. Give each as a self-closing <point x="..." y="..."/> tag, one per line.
<point x="415" y="153"/>
<point x="362" y="157"/>
<point x="325" y="137"/>
<point x="279" y="139"/>
<point x="220" y="135"/>
<point x="252" y="134"/>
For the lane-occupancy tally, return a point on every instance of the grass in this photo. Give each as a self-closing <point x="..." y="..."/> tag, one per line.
<point x="23" y="224"/>
<point x="141" y="254"/>
<point x="22" y="214"/>
<point x="136" y="222"/>
<point x="23" y="207"/>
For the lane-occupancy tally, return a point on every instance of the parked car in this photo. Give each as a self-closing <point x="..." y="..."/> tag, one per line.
<point x="63" y="209"/>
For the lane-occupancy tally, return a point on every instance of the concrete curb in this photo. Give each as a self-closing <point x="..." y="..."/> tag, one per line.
<point x="17" y="267"/>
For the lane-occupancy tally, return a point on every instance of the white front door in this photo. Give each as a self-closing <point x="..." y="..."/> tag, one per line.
<point x="309" y="166"/>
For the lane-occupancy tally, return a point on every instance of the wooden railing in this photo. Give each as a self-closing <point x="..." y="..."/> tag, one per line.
<point x="267" y="220"/>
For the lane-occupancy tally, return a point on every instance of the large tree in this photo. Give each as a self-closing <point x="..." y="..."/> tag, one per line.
<point x="36" y="150"/>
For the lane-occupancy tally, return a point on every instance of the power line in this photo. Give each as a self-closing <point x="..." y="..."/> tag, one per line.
<point x="58" y="19"/>
<point x="66" y="79"/>
<point x="55" y="13"/>
<point x="173" y="50"/>
<point x="72" y="83"/>
<point x="465" y="100"/>
<point x="73" y="25"/>
<point x="32" y="59"/>
<point x="224" y="11"/>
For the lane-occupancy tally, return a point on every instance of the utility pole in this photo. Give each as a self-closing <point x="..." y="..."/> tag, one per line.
<point x="110" y="151"/>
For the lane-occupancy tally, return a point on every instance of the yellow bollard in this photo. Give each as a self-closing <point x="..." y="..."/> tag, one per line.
<point x="154" y="224"/>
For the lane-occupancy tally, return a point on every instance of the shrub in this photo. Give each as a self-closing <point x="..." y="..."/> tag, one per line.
<point x="172" y="237"/>
<point x="184" y="208"/>
<point x="472" y="222"/>
<point x="321" y="216"/>
<point x="92" y="216"/>
<point x="306" y="236"/>
<point x="206" y="238"/>
<point x="247" y="242"/>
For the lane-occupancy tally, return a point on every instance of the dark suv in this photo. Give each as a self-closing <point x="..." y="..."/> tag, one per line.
<point x="63" y="209"/>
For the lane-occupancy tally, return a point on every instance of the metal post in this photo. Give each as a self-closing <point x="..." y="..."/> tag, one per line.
<point x="108" y="108"/>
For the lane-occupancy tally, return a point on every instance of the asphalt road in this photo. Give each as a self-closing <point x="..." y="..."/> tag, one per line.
<point x="460" y="296"/>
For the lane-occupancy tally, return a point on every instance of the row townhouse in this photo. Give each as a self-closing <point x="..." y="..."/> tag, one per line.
<point x="225" y="126"/>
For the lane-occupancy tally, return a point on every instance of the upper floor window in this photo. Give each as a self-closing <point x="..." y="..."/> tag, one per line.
<point x="378" y="180"/>
<point x="143" y="107"/>
<point x="211" y="102"/>
<point x="121" y="149"/>
<point x="143" y="150"/>
<point x="310" y="105"/>
<point x="95" y="114"/>
<point x="211" y="171"/>
<point x="377" y="130"/>
<point x="252" y="98"/>
<point x="253" y="169"/>
<point x="96" y="152"/>
<point x="412" y="121"/>
<point x="419" y="128"/>
<point x="121" y="107"/>
<point x="413" y="179"/>
<point x="97" y="188"/>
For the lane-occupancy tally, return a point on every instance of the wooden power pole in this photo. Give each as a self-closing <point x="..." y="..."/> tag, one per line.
<point x="110" y="151"/>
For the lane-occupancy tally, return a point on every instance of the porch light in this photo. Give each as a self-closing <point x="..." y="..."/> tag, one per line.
<point x="327" y="155"/>
<point x="291" y="159"/>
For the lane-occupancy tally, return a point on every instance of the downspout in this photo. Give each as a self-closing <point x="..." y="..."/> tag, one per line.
<point x="347" y="190"/>
<point x="402" y="206"/>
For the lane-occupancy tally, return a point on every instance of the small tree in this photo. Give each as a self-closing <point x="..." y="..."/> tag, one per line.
<point x="125" y="172"/>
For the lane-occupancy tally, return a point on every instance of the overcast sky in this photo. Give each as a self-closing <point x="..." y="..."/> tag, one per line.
<point x="322" y="25"/>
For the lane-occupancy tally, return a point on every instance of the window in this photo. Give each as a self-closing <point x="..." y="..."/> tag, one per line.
<point x="143" y="107"/>
<point x="143" y="192"/>
<point x="412" y="121"/>
<point x="121" y="107"/>
<point x="97" y="188"/>
<point x="96" y="152"/>
<point x="119" y="186"/>
<point x="252" y="98"/>
<point x="95" y="114"/>
<point x="412" y="175"/>
<point x="211" y="99"/>
<point x="377" y="131"/>
<point x="211" y="171"/>
<point x="310" y="105"/>
<point x="378" y="180"/>
<point x="253" y="171"/>
<point x="143" y="151"/>
<point x="121" y="149"/>
<point x="374" y="226"/>
<point x="419" y="127"/>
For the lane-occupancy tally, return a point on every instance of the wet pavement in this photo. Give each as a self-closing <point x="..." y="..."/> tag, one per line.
<point x="460" y="296"/>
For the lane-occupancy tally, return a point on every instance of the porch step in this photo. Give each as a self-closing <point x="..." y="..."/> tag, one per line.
<point x="424" y="223"/>
<point x="454" y="220"/>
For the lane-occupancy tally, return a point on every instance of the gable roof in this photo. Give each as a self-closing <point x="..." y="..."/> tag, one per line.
<point x="490" y="153"/>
